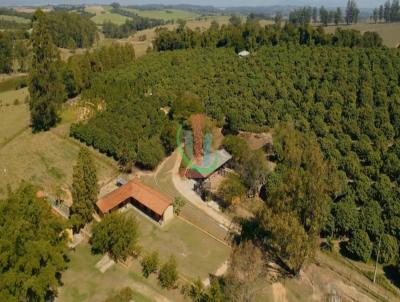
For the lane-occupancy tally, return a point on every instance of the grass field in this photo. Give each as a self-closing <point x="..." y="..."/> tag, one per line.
<point x="390" y="32"/>
<point x="103" y="14"/>
<point x="14" y="18"/>
<point x="165" y="14"/>
<point x="14" y="117"/>
<point x="45" y="158"/>
<point x="197" y="253"/>
<point x="83" y="282"/>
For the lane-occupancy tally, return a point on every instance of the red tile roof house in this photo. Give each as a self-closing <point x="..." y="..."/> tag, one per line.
<point x="154" y="204"/>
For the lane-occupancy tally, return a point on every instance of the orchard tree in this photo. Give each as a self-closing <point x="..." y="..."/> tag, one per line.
<point x="388" y="249"/>
<point x="360" y="246"/>
<point x="346" y="217"/>
<point x="84" y="189"/>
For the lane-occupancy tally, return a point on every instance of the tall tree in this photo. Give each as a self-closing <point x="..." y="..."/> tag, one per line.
<point x="46" y="87"/>
<point x="315" y="14"/>
<point x="324" y="16"/>
<point x="84" y="189"/>
<point x="32" y="247"/>
<point x="375" y="15"/>
<point x="381" y="10"/>
<point x="352" y="12"/>
<point x="395" y="11"/>
<point x="338" y="18"/>
<point x="387" y="11"/>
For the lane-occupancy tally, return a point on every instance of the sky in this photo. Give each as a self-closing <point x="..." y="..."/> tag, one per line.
<point x="217" y="3"/>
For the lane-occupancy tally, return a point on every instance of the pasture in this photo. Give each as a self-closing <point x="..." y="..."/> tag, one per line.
<point x="390" y="32"/>
<point x="14" y="114"/>
<point x="83" y="282"/>
<point x="103" y="15"/>
<point x="44" y="158"/>
<point x="14" y="18"/>
<point x="165" y="14"/>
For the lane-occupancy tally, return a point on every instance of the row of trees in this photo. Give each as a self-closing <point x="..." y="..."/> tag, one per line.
<point x="252" y="36"/>
<point x="131" y="26"/>
<point x="388" y="12"/>
<point x="303" y="16"/>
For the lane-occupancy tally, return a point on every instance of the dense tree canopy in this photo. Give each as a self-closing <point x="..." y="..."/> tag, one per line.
<point x="70" y="30"/>
<point x="32" y="247"/>
<point x="345" y="99"/>
<point x="251" y="36"/>
<point x="117" y="234"/>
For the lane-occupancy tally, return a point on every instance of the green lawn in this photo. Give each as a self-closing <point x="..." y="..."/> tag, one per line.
<point x="82" y="282"/>
<point x="197" y="253"/>
<point x="165" y="14"/>
<point x="14" y="18"/>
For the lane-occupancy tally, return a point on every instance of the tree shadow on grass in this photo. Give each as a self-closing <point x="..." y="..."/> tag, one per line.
<point x="393" y="274"/>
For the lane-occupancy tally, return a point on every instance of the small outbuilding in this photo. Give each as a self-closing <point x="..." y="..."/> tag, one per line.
<point x="154" y="204"/>
<point x="215" y="164"/>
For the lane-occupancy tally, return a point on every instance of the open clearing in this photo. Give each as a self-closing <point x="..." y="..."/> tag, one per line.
<point x="390" y="32"/>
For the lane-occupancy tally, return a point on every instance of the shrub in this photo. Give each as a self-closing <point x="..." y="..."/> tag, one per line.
<point x="179" y="203"/>
<point x="168" y="274"/>
<point x="150" y="264"/>
<point x="360" y="246"/>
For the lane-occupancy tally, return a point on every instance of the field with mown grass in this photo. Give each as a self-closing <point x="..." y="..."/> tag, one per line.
<point x="390" y="32"/>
